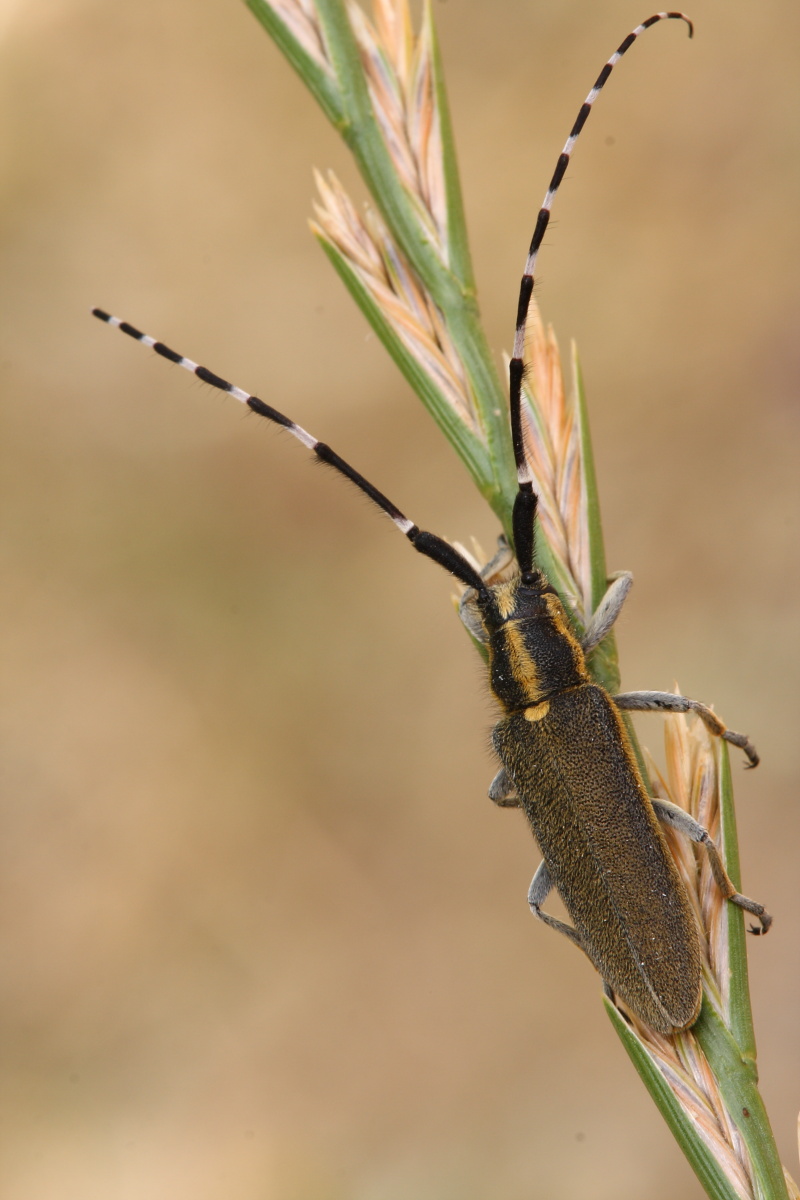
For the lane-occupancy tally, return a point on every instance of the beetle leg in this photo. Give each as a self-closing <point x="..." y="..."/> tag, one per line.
<point x="502" y="790"/>
<point x="607" y="611"/>
<point x="669" y="702"/>
<point x="679" y="819"/>
<point x="540" y="889"/>
<point x="496" y="569"/>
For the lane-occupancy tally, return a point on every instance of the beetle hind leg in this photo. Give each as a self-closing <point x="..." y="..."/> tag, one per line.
<point x="669" y="702"/>
<point x="679" y="819"/>
<point x="540" y="889"/>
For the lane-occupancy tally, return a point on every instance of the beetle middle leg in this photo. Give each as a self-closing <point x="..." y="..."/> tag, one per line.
<point x="669" y="702"/>
<point x="502" y="791"/>
<point x="540" y="889"/>
<point x="670" y="814"/>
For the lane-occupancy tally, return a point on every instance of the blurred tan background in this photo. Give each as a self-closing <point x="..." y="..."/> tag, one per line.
<point x="264" y="935"/>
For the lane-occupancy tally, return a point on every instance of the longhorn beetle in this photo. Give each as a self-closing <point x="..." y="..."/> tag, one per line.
<point x="565" y="755"/>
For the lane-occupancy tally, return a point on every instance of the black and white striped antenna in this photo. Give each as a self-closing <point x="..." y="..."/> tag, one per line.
<point x="525" y="505"/>
<point x="429" y="544"/>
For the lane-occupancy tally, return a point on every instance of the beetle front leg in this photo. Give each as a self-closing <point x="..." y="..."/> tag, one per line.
<point x="540" y="889"/>
<point x="669" y="702"/>
<point x="607" y="611"/>
<point x="679" y="819"/>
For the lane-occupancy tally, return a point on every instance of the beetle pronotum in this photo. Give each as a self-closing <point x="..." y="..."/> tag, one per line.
<point x="565" y="756"/>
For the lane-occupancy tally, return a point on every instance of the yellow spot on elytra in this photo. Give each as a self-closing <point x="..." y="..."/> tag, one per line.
<point x="538" y="711"/>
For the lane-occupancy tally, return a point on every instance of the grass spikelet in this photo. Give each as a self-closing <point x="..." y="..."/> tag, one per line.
<point x="302" y="21"/>
<point x="398" y="67"/>
<point x="692" y="782"/>
<point x="365" y="244"/>
<point x="554" y="448"/>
